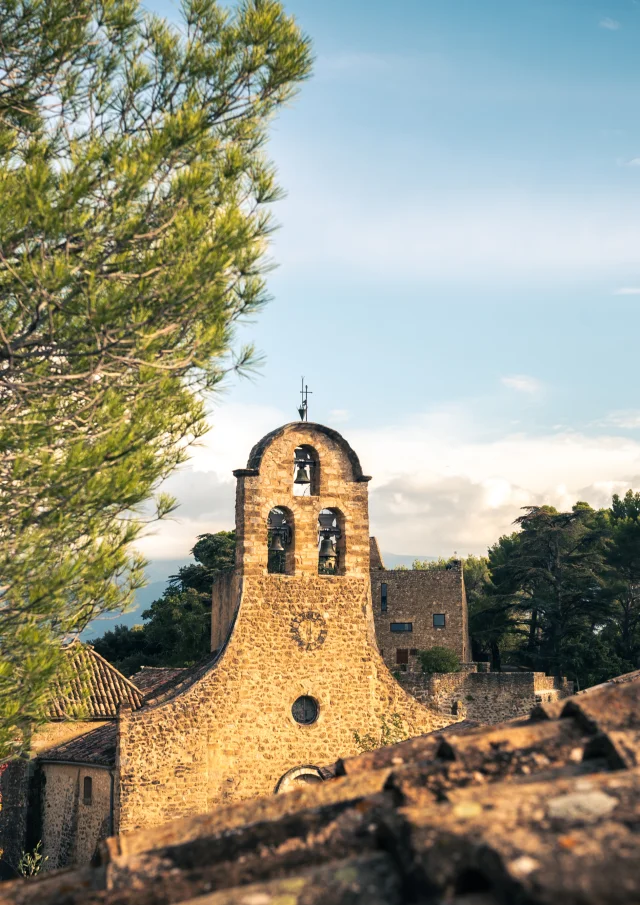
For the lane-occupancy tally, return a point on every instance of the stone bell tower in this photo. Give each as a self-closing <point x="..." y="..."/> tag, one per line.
<point x="296" y="672"/>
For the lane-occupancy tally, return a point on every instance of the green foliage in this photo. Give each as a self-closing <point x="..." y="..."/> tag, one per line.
<point x="133" y="228"/>
<point x="31" y="863"/>
<point x="439" y="659"/>
<point x="391" y="733"/>
<point x="431" y="565"/>
<point x="562" y="595"/>
<point x="178" y="630"/>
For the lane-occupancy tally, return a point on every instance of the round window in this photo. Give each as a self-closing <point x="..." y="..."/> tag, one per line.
<point x="305" y="710"/>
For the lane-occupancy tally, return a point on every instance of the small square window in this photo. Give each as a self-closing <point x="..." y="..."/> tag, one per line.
<point x="401" y="626"/>
<point x="402" y="655"/>
<point x="439" y="620"/>
<point x="413" y="652"/>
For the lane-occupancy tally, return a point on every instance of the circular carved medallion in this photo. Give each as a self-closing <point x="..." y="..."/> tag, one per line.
<point x="309" y="630"/>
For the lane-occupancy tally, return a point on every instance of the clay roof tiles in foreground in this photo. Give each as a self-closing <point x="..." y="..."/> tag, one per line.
<point x="532" y="812"/>
<point x="93" y="690"/>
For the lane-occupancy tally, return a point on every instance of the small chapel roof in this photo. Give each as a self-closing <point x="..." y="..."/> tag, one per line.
<point x="97" y="747"/>
<point x="93" y="690"/>
<point x="540" y="811"/>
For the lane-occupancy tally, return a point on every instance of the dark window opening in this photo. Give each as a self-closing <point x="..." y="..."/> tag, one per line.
<point x="439" y="620"/>
<point x="305" y="710"/>
<point x="473" y="881"/>
<point x="402" y="655"/>
<point x="87" y="790"/>
<point x="401" y="626"/>
<point x="383" y="598"/>
<point x="414" y="651"/>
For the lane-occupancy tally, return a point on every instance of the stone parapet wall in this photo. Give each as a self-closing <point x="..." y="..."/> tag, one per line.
<point x="488" y="697"/>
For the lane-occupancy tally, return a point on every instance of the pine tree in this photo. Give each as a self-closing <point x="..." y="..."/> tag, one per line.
<point x="134" y="189"/>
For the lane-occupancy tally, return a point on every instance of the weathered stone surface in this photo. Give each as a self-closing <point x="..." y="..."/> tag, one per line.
<point x="506" y="815"/>
<point x="413" y="596"/>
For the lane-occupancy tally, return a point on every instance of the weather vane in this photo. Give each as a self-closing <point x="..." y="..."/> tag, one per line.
<point x="303" y="408"/>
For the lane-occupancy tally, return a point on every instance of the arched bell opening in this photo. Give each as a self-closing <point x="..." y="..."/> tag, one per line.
<point x="280" y="541"/>
<point x="306" y="471"/>
<point x="331" y="542"/>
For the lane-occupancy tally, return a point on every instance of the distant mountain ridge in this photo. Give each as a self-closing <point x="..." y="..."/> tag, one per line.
<point x="158" y="574"/>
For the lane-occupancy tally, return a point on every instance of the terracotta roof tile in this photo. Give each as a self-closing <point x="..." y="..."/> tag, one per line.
<point x="149" y="678"/>
<point x="95" y="747"/>
<point x="92" y="690"/>
<point x="533" y="812"/>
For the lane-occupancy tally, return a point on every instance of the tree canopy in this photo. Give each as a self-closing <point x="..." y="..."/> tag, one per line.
<point x="178" y="627"/>
<point x="134" y="194"/>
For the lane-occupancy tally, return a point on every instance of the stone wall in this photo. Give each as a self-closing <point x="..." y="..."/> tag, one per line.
<point x="73" y="827"/>
<point x="231" y="735"/>
<point x="20" y="828"/>
<point x="414" y="596"/>
<point x="14" y="798"/>
<point x="226" y="599"/>
<point x="488" y="697"/>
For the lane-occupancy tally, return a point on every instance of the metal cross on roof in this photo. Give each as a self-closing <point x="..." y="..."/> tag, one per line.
<point x="303" y="408"/>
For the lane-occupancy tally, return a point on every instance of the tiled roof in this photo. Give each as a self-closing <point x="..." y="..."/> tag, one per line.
<point x="541" y="811"/>
<point x="149" y="678"/>
<point x="180" y="681"/>
<point x="95" y="747"/>
<point x="93" y="690"/>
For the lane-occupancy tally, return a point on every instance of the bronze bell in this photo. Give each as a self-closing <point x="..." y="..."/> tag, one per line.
<point x="302" y="475"/>
<point x="326" y="549"/>
<point x="276" y="544"/>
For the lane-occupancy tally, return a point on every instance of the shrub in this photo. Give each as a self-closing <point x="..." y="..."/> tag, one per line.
<point x="439" y="659"/>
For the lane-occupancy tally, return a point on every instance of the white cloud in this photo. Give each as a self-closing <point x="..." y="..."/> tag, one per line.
<point x="633" y="162"/>
<point x="627" y="419"/>
<point x="522" y="383"/>
<point x="628" y="290"/>
<point x="610" y="24"/>
<point x="339" y="416"/>
<point x="458" y="238"/>
<point x="437" y="487"/>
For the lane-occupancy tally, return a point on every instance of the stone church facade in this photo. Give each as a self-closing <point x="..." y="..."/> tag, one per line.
<point x="297" y="672"/>
<point x="294" y="679"/>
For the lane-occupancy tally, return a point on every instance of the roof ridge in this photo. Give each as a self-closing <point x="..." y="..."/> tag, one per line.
<point x="113" y="669"/>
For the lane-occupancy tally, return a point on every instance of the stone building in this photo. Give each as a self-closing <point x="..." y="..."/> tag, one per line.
<point x="62" y="794"/>
<point x="416" y="610"/>
<point x="295" y="671"/>
<point x="295" y="678"/>
<point x="293" y="681"/>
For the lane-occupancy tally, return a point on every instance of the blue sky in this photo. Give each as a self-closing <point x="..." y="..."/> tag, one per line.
<point x="459" y="266"/>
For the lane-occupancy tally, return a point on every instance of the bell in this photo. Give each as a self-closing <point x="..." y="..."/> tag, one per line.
<point x="326" y="549"/>
<point x="276" y="544"/>
<point x="302" y="475"/>
<point x="276" y="518"/>
<point x="326" y="518"/>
